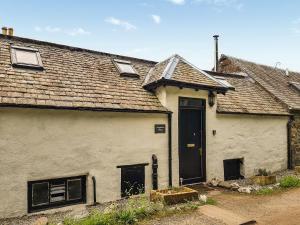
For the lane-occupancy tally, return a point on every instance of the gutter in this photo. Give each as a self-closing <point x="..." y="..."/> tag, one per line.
<point x="289" y="143"/>
<point x="6" y="105"/>
<point x="170" y="147"/>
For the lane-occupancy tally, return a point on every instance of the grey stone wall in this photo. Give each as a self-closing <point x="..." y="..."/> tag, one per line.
<point x="295" y="140"/>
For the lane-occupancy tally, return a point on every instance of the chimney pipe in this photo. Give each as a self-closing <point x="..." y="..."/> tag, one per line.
<point x="4" y="30"/>
<point x="216" y="53"/>
<point x="10" y="31"/>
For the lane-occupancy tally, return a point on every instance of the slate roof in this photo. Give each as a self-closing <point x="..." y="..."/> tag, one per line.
<point x="247" y="97"/>
<point x="73" y="78"/>
<point x="275" y="81"/>
<point x="178" y="70"/>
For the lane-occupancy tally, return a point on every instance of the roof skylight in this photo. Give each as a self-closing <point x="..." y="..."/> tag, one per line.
<point x="125" y="68"/>
<point x="224" y="82"/>
<point x="26" y="57"/>
<point x="295" y="85"/>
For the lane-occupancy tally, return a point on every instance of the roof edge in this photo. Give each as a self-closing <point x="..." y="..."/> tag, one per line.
<point x="168" y="82"/>
<point x="252" y="113"/>
<point x="72" y="48"/>
<point x="83" y="108"/>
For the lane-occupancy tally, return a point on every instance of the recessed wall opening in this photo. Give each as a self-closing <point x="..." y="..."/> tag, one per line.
<point x="132" y="179"/>
<point x="44" y="194"/>
<point x="233" y="169"/>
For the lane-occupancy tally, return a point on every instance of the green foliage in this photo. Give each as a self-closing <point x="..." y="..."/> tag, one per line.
<point x="136" y="209"/>
<point x="289" y="181"/>
<point x="265" y="191"/>
<point x="210" y="201"/>
<point x="263" y="172"/>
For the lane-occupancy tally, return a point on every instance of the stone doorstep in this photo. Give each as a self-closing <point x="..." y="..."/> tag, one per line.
<point x="225" y="216"/>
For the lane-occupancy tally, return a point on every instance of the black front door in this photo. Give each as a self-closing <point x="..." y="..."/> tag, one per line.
<point x="191" y="140"/>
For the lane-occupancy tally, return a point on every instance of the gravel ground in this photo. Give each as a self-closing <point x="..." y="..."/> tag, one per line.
<point x="195" y="218"/>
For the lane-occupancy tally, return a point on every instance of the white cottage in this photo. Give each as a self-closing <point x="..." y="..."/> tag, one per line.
<point x="79" y="126"/>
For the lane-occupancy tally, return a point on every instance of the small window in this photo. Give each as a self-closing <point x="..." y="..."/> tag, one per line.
<point x="125" y="68"/>
<point x="56" y="192"/>
<point x="224" y="82"/>
<point x="26" y="57"/>
<point x="295" y="85"/>
<point x="132" y="179"/>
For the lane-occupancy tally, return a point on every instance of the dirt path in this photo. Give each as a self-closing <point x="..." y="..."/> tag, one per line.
<point x="278" y="209"/>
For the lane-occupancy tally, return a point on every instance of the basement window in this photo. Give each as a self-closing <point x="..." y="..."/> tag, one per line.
<point x="132" y="179"/>
<point x="52" y="193"/>
<point x="233" y="169"/>
<point x="26" y="57"/>
<point x="125" y="68"/>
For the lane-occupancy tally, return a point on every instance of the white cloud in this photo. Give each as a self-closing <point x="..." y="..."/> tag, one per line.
<point x="53" y="29"/>
<point x="78" y="31"/>
<point x="218" y="4"/>
<point x="177" y="2"/>
<point x="156" y="18"/>
<point x="72" y="32"/>
<point x="122" y="23"/>
<point x="296" y="26"/>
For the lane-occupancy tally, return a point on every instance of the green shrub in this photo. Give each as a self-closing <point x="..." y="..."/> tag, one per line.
<point x="289" y="181"/>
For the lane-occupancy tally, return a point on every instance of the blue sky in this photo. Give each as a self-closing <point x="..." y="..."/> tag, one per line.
<point x="265" y="31"/>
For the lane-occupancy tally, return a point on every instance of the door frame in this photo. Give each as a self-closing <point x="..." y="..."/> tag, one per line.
<point x="203" y="135"/>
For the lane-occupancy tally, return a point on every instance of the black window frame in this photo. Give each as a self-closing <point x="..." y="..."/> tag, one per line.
<point x="14" y="60"/>
<point x="65" y="202"/>
<point x="124" y="169"/>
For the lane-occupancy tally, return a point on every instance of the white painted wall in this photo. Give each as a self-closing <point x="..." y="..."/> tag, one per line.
<point x="260" y="140"/>
<point x="41" y="144"/>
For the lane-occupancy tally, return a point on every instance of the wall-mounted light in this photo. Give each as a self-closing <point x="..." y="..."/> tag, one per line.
<point x="211" y="99"/>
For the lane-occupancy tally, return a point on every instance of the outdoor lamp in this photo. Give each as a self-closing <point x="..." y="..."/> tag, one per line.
<point x="211" y="99"/>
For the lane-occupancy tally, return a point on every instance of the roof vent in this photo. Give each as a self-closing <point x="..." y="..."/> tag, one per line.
<point x="287" y="72"/>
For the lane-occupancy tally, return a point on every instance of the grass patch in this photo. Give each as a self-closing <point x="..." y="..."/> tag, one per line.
<point x="210" y="201"/>
<point x="265" y="191"/>
<point x="135" y="210"/>
<point x="289" y="181"/>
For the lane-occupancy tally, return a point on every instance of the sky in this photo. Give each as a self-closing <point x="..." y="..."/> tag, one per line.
<point x="264" y="31"/>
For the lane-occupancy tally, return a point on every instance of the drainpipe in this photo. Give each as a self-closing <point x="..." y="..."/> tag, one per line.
<point x="289" y="142"/>
<point x="170" y="147"/>
<point x="94" y="190"/>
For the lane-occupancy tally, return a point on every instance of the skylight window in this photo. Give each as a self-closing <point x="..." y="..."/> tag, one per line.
<point x="224" y="82"/>
<point x="125" y="68"/>
<point x="295" y="85"/>
<point x="26" y="57"/>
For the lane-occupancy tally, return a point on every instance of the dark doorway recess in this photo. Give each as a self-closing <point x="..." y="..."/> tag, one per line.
<point x="192" y="152"/>
<point x="132" y="179"/>
<point x="232" y="169"/>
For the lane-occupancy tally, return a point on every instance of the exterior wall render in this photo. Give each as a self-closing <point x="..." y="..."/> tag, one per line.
<point x="260" y="140"/>
<point x="44" y="144"/>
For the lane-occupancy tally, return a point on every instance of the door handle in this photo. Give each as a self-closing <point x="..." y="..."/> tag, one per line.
<point x="190" y="145"/>
<point x="200" y="151"/>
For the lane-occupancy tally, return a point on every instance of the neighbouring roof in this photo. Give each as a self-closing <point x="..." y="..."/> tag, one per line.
<point x="277" y="82"/>
<point x="73" y="78"/>
<point x="178" y="71"/>
<point x="247" y="97"/>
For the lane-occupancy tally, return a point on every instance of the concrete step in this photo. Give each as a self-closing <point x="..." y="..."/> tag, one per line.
<point x="225" y="216"/>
